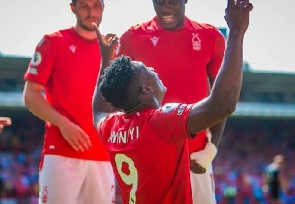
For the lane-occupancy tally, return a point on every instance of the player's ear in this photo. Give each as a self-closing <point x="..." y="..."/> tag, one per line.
<point x="146" y="90"/>
<point x="73" y="8"/>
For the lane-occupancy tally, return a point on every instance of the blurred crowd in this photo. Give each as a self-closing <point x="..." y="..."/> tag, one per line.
<point x="247" y="146"/>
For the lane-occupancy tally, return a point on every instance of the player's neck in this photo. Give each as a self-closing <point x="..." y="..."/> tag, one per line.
<point x="86" y="34"/>
<point x="139" y="108"/>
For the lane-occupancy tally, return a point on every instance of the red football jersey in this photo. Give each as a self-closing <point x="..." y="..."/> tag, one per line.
<point x="183" y="58"/>
<point x="68" y="65"/>
<point x="148" y="151"/>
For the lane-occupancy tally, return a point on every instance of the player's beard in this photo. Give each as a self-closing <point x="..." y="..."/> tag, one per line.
<point x="90" y="27"/>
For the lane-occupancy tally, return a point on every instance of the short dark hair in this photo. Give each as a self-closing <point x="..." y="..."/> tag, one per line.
<point x="74" y="1"/>
<point x="117" y="84"/>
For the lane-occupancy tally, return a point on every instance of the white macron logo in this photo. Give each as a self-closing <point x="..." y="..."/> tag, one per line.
<point x="73" y="48"/>
<point x="154" y="40"/>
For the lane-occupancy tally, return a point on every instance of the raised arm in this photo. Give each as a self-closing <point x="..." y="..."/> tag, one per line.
<point x="107" y="44"/>
<point x="216" y="130"/>
<point x="224" y="96"/>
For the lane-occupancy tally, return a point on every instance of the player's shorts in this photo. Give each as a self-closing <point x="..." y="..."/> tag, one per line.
<point x="75" y="181"/>
<point x="203" y="187"/>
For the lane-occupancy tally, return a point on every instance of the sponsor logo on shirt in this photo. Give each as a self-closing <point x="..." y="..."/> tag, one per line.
<point x="154" y="40"/>
<point x="196" y="42"/>
<point x="73" y="48"/>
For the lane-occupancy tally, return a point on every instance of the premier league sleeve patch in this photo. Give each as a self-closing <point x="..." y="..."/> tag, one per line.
<point x="169" y="107"/>
<point x="36" y="59"/>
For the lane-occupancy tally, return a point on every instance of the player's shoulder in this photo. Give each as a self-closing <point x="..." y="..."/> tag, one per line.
<point x="56" y="37"/>
<point x="201" y="26"/>
<point x="114" y="115"/>
<point x="172" y="108"/>
<point x="144" y="27"/>
<point x="58" y="34"/>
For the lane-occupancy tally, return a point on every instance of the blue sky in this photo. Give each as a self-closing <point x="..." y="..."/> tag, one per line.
<point x="269" y="43"/>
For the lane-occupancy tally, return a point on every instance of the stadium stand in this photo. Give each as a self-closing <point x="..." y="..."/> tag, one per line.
<point x="262" y="126"/>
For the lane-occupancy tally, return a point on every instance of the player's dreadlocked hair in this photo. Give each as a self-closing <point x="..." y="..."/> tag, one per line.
<point x="116" y="84"/>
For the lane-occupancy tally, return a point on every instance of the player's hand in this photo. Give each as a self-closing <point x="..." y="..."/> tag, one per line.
<point x="196" y="167"/>
<point x="4" y="121"/>
<point x="75" y="136"/>
<point x="237" y="15"/>
<point x="107" y="43"/>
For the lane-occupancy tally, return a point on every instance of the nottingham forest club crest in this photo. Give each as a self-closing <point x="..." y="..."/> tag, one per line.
<point x="196" y="42"/>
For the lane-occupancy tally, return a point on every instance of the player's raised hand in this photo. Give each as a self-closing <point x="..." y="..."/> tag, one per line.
<point x="237" y="15"/>
<point x="107" y="43"/>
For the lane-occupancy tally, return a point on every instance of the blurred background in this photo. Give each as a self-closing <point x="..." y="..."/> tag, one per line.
<point x="262" y="126"/>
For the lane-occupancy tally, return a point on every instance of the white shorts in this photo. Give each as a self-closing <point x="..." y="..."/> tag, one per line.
<point x="203" y="187"/>
<point x="75" y="181"/>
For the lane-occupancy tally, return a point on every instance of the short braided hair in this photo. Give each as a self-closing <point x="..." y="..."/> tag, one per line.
<point x="116" y="83"/>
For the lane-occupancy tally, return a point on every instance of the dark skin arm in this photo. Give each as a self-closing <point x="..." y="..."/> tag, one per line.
<point x="218" y="129"/>
<point x="213" y="110"/>
<point x="216" y="107"/>
<point x="216" y="133"/>
<point x="107" y="45"/>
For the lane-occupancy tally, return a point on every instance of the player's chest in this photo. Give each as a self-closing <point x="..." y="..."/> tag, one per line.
<point x="190" y="47"/>
<point x="192" y="42"/>
<point x="76" y="58"/>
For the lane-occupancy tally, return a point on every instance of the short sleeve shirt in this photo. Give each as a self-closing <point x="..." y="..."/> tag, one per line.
<point x="185" y="59"/>
<point x="148" y="152"/>
<point x="67" y="65"/>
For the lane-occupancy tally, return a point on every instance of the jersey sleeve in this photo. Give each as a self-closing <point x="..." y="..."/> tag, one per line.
<point x="170" y="122"/>
<point x="217" y="55"/>
<point x="42" y="62"/>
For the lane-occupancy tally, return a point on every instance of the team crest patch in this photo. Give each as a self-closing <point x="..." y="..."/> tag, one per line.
<point x="36" y="59"/>
<point x="168" y="108"/>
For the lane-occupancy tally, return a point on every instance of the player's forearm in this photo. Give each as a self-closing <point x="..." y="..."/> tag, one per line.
<point x="227" y="86"/>
<point x="100" y="107"/>
<point x="37" y="104"/>
<point x="217" y="132"/>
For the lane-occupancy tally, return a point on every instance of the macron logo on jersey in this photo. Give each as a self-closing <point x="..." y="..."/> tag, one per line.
<point x="154" y="40"/>
<point x="73" y="48"/>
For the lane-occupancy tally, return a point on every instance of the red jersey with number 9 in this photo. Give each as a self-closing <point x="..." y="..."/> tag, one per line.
<point x="148" y="151"/>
